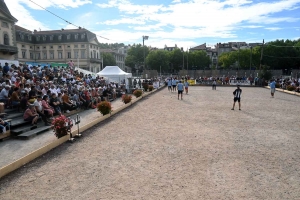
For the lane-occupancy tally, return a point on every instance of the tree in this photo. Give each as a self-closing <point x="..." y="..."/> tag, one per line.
<point x="265" y="73"/>
<point x="199" y="59"/>
<point x="158" y="60"/>
<point x="108" y="59"/>
<point x="136" y="55"/>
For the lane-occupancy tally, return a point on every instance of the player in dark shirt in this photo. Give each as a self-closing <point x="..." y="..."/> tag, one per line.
<point x="237" y="97"/>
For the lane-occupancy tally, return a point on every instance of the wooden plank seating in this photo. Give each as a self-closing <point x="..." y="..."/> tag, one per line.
<point x="4" y="135"/>
<point x="32" y="133"/>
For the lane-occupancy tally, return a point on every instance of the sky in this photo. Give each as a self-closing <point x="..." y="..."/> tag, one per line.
<point x="185" y="23"/>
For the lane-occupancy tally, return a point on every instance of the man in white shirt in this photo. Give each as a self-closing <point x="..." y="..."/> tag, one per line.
<point x="4" y="94"/>
<point x="53" y="90"/>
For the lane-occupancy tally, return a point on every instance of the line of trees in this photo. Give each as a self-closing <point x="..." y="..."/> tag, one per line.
<point x="166" y="61"/>
<point x="278" y="55"/>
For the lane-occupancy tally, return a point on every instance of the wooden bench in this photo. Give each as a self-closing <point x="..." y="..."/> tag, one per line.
<point x="4" y="135"/>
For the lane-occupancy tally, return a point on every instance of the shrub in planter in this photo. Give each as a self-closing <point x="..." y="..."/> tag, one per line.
<point x="145" y="86"/>
<point x="126" y="98"/>
<point x="137" y="93"/>
<point x="291" y="88"/>
<point x="277" y="85"/>
<point x="104" y="107"/>
<point x="61" y="125"/>
<point x="150" y="88"/>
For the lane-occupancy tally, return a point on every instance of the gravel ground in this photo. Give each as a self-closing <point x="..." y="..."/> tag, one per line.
<point x="164" y="148"/>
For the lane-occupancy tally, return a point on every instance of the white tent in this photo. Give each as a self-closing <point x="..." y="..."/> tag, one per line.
<point x="115" y="74"/>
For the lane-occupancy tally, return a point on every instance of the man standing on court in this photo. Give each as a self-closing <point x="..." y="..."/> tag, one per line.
<point x="180" y="89"/>
<point x="237" y="97"/>
<point x="174" y="83"/>
<point x="272" y="87"/>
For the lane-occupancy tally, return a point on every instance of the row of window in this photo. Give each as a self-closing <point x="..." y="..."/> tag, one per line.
<point x="60" y="46"/>
<point x="52" y="37"/>
<point x="4" y="25"/>
<point x="37" y="56"/>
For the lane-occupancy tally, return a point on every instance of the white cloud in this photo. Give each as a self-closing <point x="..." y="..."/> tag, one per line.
<point x="273" y="28"/>
<point x="26" y="20"/>
<point x="176" y="1"/>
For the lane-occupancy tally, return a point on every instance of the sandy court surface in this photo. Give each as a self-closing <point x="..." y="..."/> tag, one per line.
<point x="164" y="148"/>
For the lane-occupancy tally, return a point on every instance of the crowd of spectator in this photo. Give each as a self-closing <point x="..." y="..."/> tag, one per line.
<point x="47" y="91"/>
<point x="292" y="84"/>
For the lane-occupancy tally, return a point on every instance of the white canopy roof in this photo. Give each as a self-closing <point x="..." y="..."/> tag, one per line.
<point x="112" y="70"/>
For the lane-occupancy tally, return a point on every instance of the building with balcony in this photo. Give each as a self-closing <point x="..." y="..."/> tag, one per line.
<point x="60" y="46"/>
<point x="8" y="45"/>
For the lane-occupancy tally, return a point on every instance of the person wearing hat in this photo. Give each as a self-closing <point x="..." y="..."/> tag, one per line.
<point x="237" y="97"/>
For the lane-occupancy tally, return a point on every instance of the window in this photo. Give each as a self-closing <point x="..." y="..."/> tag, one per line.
<point x="44" y="38"/>
<point x="59" y="47"/>
<point x="51" y="55"/>
<point x="5" y="25"/>
<point x="30" y="47"/>
<point x="29" y="37"/>
<point x="83" y="54"/>
<point x="94" y="54"/>
<point x="59" y="55"/>
<point x="69" y="54"/>
<point x="97" y="55"/>
<point x="51" y="47"/>
<point x="31" y="55"/>
<point x="6" y="39"/>
<point x="37" y="38"/>
<point x="45" y="55"/>
<point x="38" y="47"/>
<point x="68" y="46"/>
<point x="44" y="47"/>
<point x="23" y="46"/>
<point x="91" y="46"/>
<point x="51" y="37"/>
<point x="76" y="46"/>
<point x="76" y="36"/>
<point x="23" y="54"/>
<point x="59" y="37"/>
<point x="91" y="55"/>
<point x="82" y="46"/>
<point x="68" y="36"/>
<point x="38" y="56"/>
<point x="76" y="54"/>
<point x="83" y="36"/>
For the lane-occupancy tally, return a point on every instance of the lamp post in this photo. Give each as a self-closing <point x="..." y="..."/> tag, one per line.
<point x="144" y="38"/>
<point x="182" y="58"/>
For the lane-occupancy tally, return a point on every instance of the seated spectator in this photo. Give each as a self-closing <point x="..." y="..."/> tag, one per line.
<point x="55" y="104"/>
<point x="24" y="102"/>
<point x="32" y="94"/>
<point x="48" y="110"/>
<point x="39" y="109"/>
<point x="15" y="99"/>
<point x="76" y="100"/>
<point x="30" y="115"/>
<point x="3" y="124"/>
<point x="4" y="97"/>
<point x="67" y="103"/>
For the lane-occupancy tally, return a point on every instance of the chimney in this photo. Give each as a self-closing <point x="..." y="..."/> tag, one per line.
<point x="35" y="31"/>
<point x="79" y="27"/>
<point x="62" y="29"/>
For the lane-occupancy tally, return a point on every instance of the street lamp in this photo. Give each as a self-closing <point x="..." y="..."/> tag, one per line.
<point x="144" y="38"/>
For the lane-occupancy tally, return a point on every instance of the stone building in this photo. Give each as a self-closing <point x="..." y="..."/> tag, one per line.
<point x="8" y="45"/>
<point x="119" y="56"/>
<point x="211" y="53"/>
<point x="60" y="46"/>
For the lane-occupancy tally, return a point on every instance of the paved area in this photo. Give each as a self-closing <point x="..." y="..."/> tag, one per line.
<point x="164" y="148"/>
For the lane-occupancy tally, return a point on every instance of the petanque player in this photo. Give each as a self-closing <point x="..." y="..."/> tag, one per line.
<point x="174" y="83"/>
<point x="272" y="87"/>
<point x="186" y="87"/>
<point x="237" y="97"/>
<point x="170" y="85"/>
<point x="214" y="85"/>
<point x="180" y="89"/>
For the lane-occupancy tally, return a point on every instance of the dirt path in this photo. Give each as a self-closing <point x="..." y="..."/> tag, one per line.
<point x="164" y="148"/>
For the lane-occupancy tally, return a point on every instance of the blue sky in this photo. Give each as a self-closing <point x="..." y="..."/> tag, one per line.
<point x="187" y="23"/>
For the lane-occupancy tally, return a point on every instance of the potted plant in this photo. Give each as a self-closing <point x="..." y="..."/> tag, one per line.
<point x="61" y="126"/>
<point x="150" y="88"/>
<point x="126" y="98"/>
<point x="137" y="93"/>
<point x="145" y="86"/>
<point x="104" y="107"/>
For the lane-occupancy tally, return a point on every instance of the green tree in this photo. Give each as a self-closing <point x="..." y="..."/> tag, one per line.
<point x="265" y="73"/>
<point x="199" y="59"/>
<point x="108" y="59"/>
<point x="158" y="60"/>
<point x="136" y="56"/>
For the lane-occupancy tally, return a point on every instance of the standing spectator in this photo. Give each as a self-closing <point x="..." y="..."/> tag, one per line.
<point x="237" y="97"/>
<point x="272" y="87"/>
<point x="5" y="69"/>
<point x="214" y="85"/>
<point x="180" y="89"/>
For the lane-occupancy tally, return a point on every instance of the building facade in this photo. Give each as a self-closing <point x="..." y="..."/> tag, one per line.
<point x="211" y="53"/>
<point x="8" y="45"/>
<point x="60" y="46"/>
